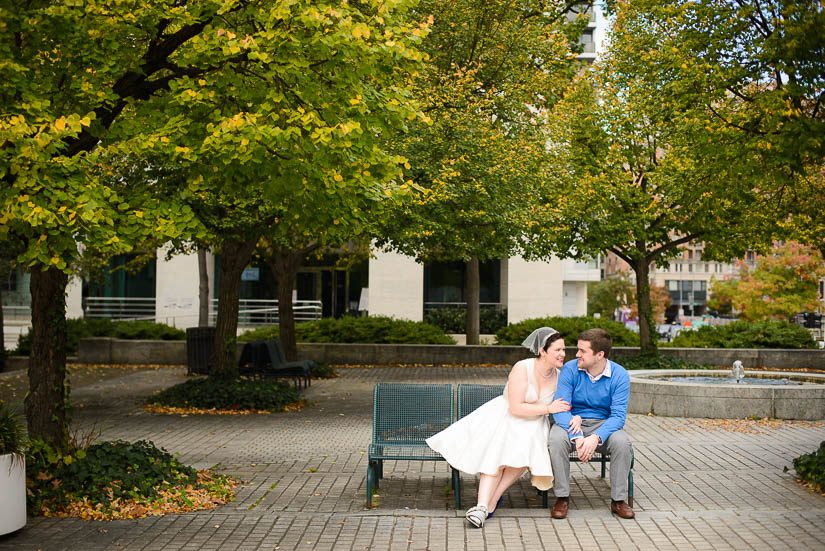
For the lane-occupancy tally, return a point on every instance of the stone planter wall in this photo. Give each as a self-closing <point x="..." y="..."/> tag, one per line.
<point x="106" y="350"/>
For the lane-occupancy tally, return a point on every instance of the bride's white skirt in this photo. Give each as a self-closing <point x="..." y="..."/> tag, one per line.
<point x="490" y="438"/>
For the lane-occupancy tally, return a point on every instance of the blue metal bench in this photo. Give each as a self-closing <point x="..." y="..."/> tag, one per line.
<point x="403" y="416"/>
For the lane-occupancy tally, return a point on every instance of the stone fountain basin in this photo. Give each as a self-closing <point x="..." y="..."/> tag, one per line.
<point x="727" y="401"/>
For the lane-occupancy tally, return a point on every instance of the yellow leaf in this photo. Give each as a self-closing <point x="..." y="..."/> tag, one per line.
<point x="338" y="177"/>
<point x="60" y="123"/>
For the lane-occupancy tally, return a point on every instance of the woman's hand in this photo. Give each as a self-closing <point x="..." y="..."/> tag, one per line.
<point x="559" y="405"/>
<point x="575" y="424"/>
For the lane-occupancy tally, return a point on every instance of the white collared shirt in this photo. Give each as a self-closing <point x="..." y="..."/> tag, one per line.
<point x="605" y="373"/>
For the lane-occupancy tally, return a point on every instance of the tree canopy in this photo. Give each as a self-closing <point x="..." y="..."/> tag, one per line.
<point x="493" y="70"/>
<point x="253" y="100"/>
<point x="644" y="165"/>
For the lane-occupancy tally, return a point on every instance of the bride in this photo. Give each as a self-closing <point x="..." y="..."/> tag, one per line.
<point x="508" y="435"/>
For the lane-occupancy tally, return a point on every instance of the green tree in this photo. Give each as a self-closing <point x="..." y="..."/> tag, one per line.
<point x="87" y="82"/>
<point x="639" y="170"/>
<point x="782" y="283"/>
<point x="494" y="68"/>
<point x="288" y="144"/>
<point x="756" y="70"/>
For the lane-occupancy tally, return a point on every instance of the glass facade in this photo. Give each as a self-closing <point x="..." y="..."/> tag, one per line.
<point x="444" y="282"/>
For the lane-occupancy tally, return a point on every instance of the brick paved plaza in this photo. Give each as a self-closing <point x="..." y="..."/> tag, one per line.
<point x="699" y="485"/>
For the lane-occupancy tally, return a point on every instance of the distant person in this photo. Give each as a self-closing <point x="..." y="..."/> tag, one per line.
<point x="508" y="435"/>
<point x="598" y="391"/>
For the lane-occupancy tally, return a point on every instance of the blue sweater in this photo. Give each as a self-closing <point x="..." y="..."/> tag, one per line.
<point x="605" y="399"/>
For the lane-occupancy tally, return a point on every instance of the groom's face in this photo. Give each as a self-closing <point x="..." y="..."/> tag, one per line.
<point x="587" y="359"/>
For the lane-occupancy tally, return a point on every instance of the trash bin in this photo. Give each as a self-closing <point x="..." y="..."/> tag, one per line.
<point x="199" y="341"/>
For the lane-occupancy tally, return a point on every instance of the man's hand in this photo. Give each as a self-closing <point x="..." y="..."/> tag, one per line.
<point x="575" y="425"/>
<point x="585" y="447"/>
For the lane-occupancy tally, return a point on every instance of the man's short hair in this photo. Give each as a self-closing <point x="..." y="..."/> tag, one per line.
<point x="599" y="339"/>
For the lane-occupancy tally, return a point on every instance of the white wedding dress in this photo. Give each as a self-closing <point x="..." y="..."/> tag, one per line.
<point x="490" y="437"/>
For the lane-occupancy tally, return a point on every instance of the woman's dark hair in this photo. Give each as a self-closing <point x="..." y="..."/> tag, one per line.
<point x="551" y="339"/>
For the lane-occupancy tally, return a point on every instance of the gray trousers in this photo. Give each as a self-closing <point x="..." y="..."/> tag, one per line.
<point x="618" y="446"/>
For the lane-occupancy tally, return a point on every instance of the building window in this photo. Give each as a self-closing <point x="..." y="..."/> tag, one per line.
<point x="8" y="282"/>
<point x="444" y="282"/>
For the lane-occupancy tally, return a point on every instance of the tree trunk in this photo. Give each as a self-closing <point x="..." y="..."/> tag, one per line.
<point x="284" y="264"/>
<point x="647" y="334"/>
<point x="234" y="258"/>
<point x="473" y="289"/>
<point x="46" y="403"/>
<point x="203" y="290"/>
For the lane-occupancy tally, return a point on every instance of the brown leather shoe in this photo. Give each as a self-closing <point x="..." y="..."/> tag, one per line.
<point x="560" y="508"/>
<point x="622" y="509"/>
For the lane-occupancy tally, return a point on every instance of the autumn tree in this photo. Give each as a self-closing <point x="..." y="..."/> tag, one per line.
<point x="92" y="81"/>
<point x="494" y="68"/>
<point x="783" y="282"/>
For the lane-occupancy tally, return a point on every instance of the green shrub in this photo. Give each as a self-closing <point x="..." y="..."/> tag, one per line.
<point x="370" y="329"/>
<point x="80" y="328"/>
<point x="744" y="334"/>
<point x="454" y="319"/>
<point x="261" y="394"/>
<point x="117" y="479"/>
<point x="515" y="333"/>
<point x="102" y="473"/>
<point x="810" y="468"/>
<point x="12" y="434"/>
<point x="657" y="361"/>
<point x="323" y="371"/>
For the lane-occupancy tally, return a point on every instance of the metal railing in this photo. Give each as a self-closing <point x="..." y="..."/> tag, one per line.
<point x="252" y="312"/>
<point x="17" y="313"/>
<point x="121" y="308"/>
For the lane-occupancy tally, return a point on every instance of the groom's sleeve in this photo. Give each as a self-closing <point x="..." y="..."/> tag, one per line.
<point x="564" y="390"/>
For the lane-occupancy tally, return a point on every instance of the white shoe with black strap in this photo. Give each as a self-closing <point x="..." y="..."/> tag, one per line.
<point x="476" y="515"/>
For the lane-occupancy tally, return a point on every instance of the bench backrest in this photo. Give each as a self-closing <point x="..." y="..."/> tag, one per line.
<point x="472" y="396"/>
<point x="406" y="413"/>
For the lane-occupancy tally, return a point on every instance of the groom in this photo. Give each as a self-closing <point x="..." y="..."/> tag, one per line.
<point x="598" y="391"/>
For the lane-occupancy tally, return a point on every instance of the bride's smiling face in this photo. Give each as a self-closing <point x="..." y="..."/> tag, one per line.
<point x="555" y="353"/>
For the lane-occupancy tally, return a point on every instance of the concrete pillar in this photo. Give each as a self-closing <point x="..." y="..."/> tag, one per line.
<point x="581" y="298"/>
<point x="176" y="291"/>
<point x="74" y="298"/>
<point x="534" y="289"/>
<point x="396" y="286"/>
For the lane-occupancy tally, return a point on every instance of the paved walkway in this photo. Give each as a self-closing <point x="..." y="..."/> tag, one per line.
<point x="699" y="485"/>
